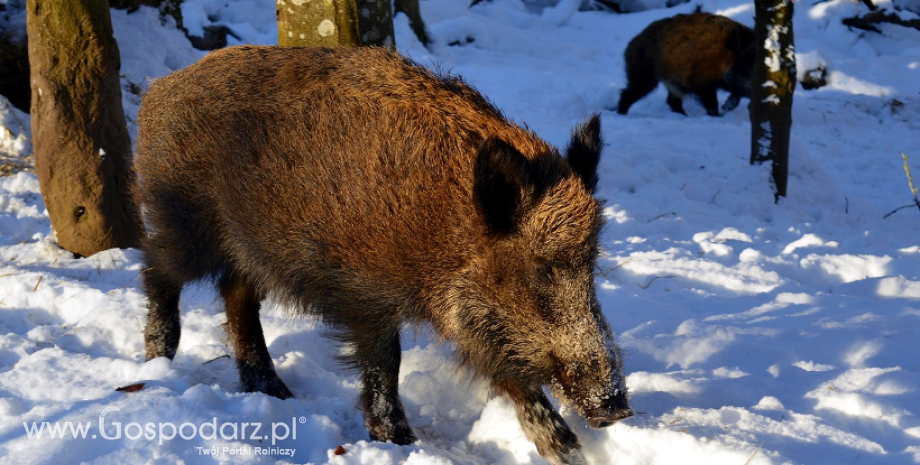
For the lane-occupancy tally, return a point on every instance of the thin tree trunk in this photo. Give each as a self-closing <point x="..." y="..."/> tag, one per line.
<point x="773" y="84"/>
<point x="79" y="134"/>
<point x="170" y="8"/>
<point x="337" y="23"/>
<point x="411" y="9"/>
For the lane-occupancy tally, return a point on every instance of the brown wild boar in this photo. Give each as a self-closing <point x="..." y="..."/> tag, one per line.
<point x="361" y="188"/>
<point x="690" y="54"/>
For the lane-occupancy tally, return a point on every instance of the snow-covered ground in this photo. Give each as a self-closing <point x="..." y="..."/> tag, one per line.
<point x="755" y="332"/>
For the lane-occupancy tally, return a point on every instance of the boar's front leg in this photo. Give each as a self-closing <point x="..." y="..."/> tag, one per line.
<point x="543" y="425"/>
<point x="257" y="372"/>
<point x="161" y="335"/>
<point x="709" y="98"/>
<point x="676" y="102"/>
<point x="378" y="354"/>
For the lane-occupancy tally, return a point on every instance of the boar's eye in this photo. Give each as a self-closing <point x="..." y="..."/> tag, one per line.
<point x="547" y="273"/>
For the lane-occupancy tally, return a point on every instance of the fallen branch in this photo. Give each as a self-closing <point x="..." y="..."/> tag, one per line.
<point x="870" y="20"/>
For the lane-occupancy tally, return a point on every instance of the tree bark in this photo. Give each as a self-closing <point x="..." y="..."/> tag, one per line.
<point x="79" y="134"/>
<point x="773" y="84"/>
<point x="335" y="23"/>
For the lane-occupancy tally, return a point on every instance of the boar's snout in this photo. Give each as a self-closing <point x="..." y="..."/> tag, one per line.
<point x="612" y="410"/>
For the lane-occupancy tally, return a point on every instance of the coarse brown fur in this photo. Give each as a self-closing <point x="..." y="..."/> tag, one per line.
<point x="690" y="54"/>
<point x="361" y="188"/>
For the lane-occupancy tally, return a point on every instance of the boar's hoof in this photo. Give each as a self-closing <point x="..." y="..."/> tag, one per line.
<point x="731" y="103"/>
<point x="271" y="386"/>
<point x="276" y="388"/>
<point x="607" y="419"/>
<point x="400" y="434"/>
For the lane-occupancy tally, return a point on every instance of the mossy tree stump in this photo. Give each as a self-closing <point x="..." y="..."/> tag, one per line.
<point x="79" y="134"/>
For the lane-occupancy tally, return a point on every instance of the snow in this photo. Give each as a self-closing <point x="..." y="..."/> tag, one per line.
<point x="753" y="332"/>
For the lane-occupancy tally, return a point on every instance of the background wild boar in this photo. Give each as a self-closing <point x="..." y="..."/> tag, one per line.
<point x="690" y="54"/>
<point x="361" y="188"/>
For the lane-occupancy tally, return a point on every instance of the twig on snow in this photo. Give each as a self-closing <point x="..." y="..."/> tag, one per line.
<point x="216" y="359"/>
<point x="754" y="454"/>
<point x="662" y="216"/>
<point x="913" y="190"/>
<point x="654" y="278"/>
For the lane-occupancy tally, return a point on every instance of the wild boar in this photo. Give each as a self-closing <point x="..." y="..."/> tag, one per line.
<point x="361" y="188"/>
<point x="690" y="54"/>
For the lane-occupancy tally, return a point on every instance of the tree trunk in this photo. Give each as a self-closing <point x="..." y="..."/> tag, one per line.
<point x="335" y="23"/>
<point x="14" y="69"/>
<point x="170" y="8"/>
<point x="773" y="84"/>
<point x="79" y="133"/>
<point x="411" y="10"/>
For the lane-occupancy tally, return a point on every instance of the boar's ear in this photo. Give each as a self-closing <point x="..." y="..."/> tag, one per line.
<point x="584" y="151"/>
<point x="501" y="177"/>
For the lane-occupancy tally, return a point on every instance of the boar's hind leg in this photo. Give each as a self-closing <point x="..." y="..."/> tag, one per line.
<point x="640" y="77"/>
<point x="543" y="425"/>
<point x="161" y="335"/>
<point x="257" y="373"/>
<point x="676" y="102"/>
<point x="634" y="91"/>
<point x="378" y="353"/>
